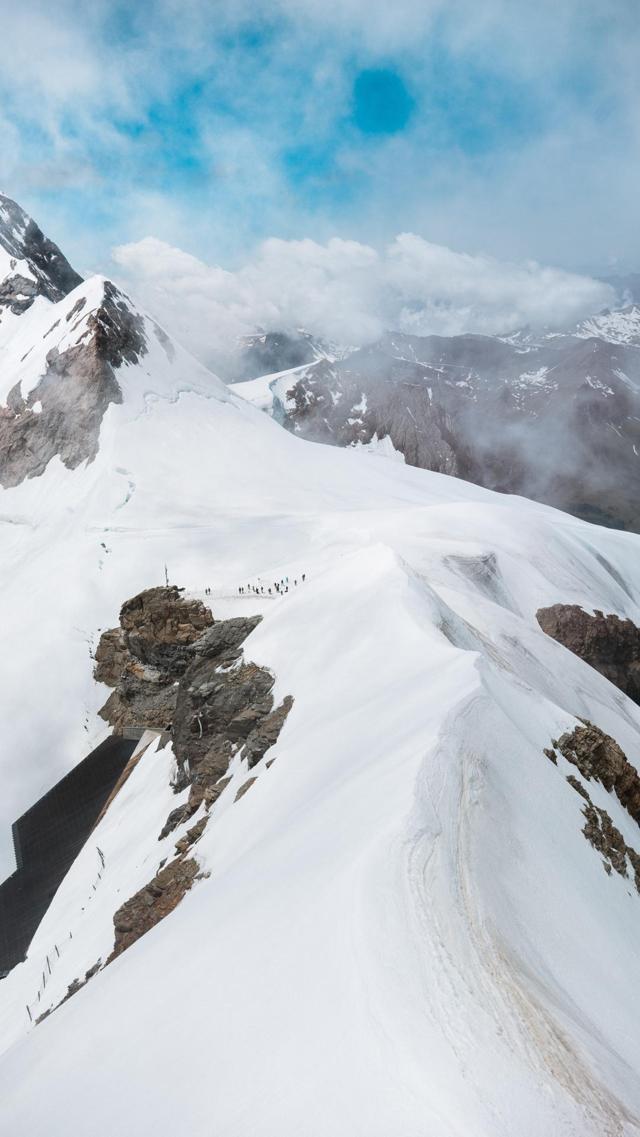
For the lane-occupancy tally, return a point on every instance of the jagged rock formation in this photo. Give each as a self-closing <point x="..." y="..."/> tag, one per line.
<point x="142" y="658"/>
<point x="152" y="903"/>
<point x="609" y="842"/>
<point x="608" y="643"/>
<point x="173" y="666"/>
<point x="598" y="757"/>
<point x="63" y="412"/>
<point x="50" y="273"/>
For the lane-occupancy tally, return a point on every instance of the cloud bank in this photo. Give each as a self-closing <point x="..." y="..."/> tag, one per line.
<point x="216" y="125"/>
<point x="348" y="292"/>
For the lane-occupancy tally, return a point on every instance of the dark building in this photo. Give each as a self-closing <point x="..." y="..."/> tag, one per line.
<point x="47" y="839"/>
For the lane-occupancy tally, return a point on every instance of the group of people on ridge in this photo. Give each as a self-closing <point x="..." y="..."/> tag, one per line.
<point x="279" y="587"/>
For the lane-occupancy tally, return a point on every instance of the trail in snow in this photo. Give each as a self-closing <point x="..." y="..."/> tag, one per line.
<point x="404" y="930"/>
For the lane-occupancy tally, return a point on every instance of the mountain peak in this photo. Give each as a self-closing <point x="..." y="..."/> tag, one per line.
<point x="30" y="264"/>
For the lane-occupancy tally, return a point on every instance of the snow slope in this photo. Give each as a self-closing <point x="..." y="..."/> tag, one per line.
<point x="404" y="931"/>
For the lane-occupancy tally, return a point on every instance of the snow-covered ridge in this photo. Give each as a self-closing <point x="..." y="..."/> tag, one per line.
<point x="63" y="363"/>
<point x="403" y="930"/>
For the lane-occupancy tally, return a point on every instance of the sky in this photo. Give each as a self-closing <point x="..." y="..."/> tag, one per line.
<point x="502" y="131"/>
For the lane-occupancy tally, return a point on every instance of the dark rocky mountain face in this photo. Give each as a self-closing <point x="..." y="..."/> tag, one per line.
<point x="63" y="413"/>
<point x="74" y="354"/>
<point x="609" y="644"/>
<point x="268" y="352"/>
<point x="557" y="421"/>
<point x="51" y="275"/>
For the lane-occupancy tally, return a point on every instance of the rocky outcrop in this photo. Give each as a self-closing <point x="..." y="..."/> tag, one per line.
<point x="143" y="658"/>
<point x="609" y="842"/>
<point x="224" y="705"/>
<point x="151" y="904"/>
<point x="63" y="413"/>
<point x="608" y="643"/>
<point x="598" y="757"/>
<point x="159" y="627"/>
<point x="173" y="667"/>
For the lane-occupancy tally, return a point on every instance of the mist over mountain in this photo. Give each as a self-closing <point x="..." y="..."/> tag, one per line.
<point x="321" y="802"/>
<point x="554" y="417"/>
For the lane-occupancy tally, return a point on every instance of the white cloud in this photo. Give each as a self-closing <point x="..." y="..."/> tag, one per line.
<point x="350" y="292"/>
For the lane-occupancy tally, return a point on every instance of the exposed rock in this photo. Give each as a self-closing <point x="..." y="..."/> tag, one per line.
<point x="73" y="988"/>
<point x="598" y="756"/>
<point x="191" y="836"/>
<point x="111" y="657"/>
<point x="159" y="626"/>
<point x="63" y="413"/>
<point x="603" y="835"/>
<point x="611" y="645"/>
<point x="217" y="709"/>
<point x="172" y="666"/>
<point x="222" y="642"/>
<point x="23" y="240"/>
<point x="144" y="658"/>
<point x="221" y="710"/>
<point x="578" y="787"/>
<point x="152" y="903"/>
<point x="244" y="787"/>
<point x="175" y="818"/>
<point x="266" y="733"/>
<point x="17" y="293"/>
<point x="146" y="701"/>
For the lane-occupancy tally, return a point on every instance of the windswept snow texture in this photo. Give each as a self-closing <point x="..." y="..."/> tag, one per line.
<point x="404" y="931"/>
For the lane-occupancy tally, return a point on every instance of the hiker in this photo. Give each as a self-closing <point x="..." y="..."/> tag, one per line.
<point x="303" y="577"/>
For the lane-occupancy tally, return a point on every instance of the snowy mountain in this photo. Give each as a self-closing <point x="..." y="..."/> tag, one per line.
<point x="621" y="326"/>
<point x="268" y="352"/>
<point x="30" y="264"/>
<point x="556" y="418"/>
<point x="374" y="867"/>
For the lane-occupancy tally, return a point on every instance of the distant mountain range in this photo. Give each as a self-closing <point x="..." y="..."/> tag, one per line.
<point x="373" y="866"/>
<point x="551" y="416"/>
